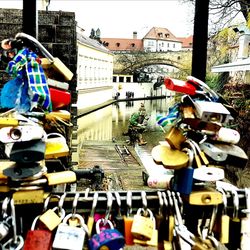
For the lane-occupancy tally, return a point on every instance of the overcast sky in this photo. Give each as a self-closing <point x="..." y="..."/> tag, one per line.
<point x="119" y="18"/>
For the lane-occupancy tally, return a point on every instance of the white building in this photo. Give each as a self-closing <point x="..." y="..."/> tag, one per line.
<point x="94" y="72"/>
<point x="242" y="62"/>
<point x="161" y="39"/>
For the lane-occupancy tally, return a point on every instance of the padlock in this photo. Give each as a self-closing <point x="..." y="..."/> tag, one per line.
<point x="56" y="146"/>
<point x="38" y="239"/>
<point x="224" y="220"/>
<point x="21" y="133"/>
<point x="51" y="219"/>
<point x="70" y="237"/>
<point x="5" y="226"/>
<point x="182" y="181"/>
<point x="106" y="239"/>
<point x="170" y="216"/>
<point x="6" y="222"/>
<point x="128" y="221"/>
<point x="28" y="151"/>
<point x="153" y="240"/>
<point x="143" y="225"/>
<point x="175" y="138"/>
<point x="118" y="218"/>
<point x="61" y="177"/>
<point x="185" y="87"/>
<point x="161" y="221"/>
<point x="245" y="223"/>
<point x="90" y="221"/>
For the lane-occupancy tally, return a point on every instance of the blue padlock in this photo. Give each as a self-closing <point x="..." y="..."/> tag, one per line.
<point x="106" y="239"/>
<point x="182" y="181"/>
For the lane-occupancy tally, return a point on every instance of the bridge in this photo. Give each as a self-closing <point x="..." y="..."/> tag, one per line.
<point x="129" y="62"/>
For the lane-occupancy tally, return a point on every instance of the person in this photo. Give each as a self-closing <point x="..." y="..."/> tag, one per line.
<point x="137" y="126"/>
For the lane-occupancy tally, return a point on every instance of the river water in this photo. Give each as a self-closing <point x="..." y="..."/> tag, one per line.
<point x="110" y="122"/>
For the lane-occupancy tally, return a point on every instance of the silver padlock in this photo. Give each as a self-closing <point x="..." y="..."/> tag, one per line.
<point x="70" y="237"/>
<point x="5" y="224"/>
<point x="5" y="228"/>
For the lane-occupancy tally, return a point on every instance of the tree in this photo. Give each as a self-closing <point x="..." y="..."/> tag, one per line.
<point x="223" y="12"/>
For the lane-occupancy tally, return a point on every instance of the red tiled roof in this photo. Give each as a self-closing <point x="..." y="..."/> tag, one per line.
<point x="160" y="34"/>
<point x="187" y="42"/>
<point x="122" y="44"/>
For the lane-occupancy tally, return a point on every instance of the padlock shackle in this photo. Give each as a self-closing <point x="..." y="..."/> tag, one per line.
<point x="104" y="222"/>
<point x="74" y="205"/>
<point x="129" y="203"/>
<point x="94" y="204"/>
<point x="109" y="205"/>
<point x="161" y="202"/>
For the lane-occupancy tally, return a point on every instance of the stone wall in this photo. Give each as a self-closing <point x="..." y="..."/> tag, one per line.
<point x="56" y="31"/>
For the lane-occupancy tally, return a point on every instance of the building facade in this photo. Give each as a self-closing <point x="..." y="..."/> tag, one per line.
<point x="156" y="40"/>
<point x="94" y="72"/>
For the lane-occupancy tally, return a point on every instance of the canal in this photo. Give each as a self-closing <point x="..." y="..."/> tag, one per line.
<point x="101" y="131"/>
<point x="108" y="123"/>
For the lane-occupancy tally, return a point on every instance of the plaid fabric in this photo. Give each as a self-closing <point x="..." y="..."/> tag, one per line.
<point x="25" y="65"/>
<point x="169" y="119"/>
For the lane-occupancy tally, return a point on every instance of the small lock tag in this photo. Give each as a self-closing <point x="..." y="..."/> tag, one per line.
<point x="143" y="227"/>
<point x="106" y="239"/>
<point x="50" y="219"/>
<point x="70" y="237"/>
<point x="37" y="239"/>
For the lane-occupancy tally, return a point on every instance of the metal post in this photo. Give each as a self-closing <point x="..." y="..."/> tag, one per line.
<point x="30" y="18"/>
<point x="199" y="58"/>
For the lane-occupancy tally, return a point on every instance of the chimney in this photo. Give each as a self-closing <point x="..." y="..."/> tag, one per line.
<point x="134" y="35"/>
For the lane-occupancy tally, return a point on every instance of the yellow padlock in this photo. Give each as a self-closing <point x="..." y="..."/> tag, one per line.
<point x="175" y="138"/>
<point x="143" y="225"/>
<point x="60" y="177"/>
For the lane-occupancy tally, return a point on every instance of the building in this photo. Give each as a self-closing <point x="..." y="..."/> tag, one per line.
<point x="161" y="39"/>
<point x="94" y="72"/>
<point x="156" y="40"/>
<point x="187" y="42"/>
<point x="241" y="59"/>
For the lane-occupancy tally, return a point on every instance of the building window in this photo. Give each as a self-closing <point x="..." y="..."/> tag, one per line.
<point x="132" y="45"/>
<point x="174" y="45"/>
<point x="160" y="34"/>
<point x="114" y="78"/>
<point x="128" y="79"/>
<point x="150" y="43"/>
<point x="118" y="44"/>
<point x="167" y="35"/>
<point x="121" y="79"/>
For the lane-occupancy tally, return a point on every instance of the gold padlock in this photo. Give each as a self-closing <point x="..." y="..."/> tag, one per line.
<point x="152" y="242"/>
<point x="60" y="177"/>
<point x="175" y="138"/>
<point x="143" y="225"/>
<point x="50" y="218"/>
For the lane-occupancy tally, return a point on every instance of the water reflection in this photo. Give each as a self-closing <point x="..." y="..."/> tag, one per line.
<point x="111" y="121"/>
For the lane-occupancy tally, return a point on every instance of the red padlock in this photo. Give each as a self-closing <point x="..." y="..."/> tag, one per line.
<point x="39" y="239"/>
<point x="186" y="87"/>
